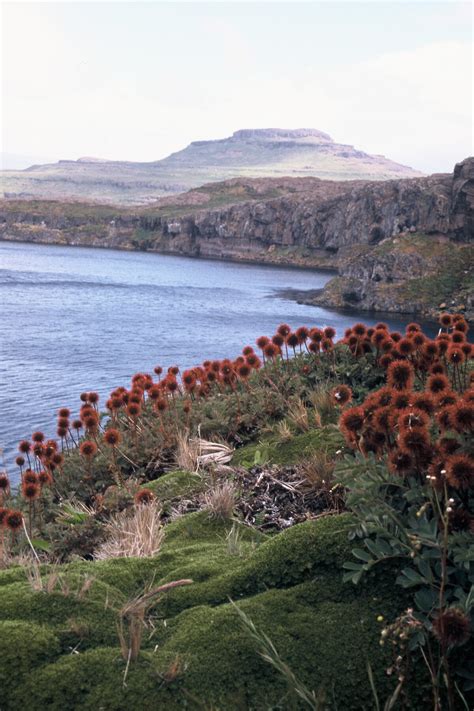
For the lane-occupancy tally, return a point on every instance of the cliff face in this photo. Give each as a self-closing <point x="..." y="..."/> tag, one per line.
<point x="377" y="235"/>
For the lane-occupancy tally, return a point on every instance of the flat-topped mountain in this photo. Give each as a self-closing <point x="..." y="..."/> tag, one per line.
<point x="251" y="153"/>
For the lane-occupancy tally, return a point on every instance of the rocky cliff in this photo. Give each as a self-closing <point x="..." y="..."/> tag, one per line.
<point x="400" y="245"/>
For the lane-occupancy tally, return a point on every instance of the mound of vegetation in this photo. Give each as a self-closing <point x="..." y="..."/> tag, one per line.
<point x="289" y="529"/>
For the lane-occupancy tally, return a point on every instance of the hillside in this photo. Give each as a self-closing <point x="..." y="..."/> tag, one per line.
<point x="400" y="245"/>
<point x="247" y="153"/>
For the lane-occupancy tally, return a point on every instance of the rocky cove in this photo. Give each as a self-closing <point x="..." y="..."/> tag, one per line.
<point x="401" y="246"/>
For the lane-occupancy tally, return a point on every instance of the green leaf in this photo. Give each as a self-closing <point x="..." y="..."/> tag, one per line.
<point x="361" y="554"/>
<point x="426" y="599"/>
<point x="40" y="544"/>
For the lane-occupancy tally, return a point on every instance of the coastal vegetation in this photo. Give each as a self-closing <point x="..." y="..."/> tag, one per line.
<point x="290" y="528"/>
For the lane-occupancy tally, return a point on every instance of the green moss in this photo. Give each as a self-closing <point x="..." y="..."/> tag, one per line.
<point x="23" y="646"/>
<point x="298" y="448"/>
<point x="175" y="485"/>
<point x="289" y="584"/>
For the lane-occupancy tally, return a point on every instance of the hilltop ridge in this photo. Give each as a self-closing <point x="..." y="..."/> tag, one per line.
<point x="248" y="153"/>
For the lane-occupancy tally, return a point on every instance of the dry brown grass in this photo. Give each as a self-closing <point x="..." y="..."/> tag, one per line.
<point x="298" y="415"/>
<point x="132" y="619"/>
<point x="133" y="534"/>
<point x="283" y="431"/>
<point x="318" y="478"/>
<point x="187" y="452"/>
<point x="220" y="500"/>
<point x="324" y="406"/>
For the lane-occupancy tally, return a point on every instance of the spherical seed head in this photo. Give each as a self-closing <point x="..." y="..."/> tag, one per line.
<point x="448" y="445"/>
<point x="406" y="346"/>
<point x="411" y="417"/>
<point x="37" y="437"/>
<point x="20" y="461"/>
<point x="455" y="355"/>
<point x="303" y="334"/>
<point x="424" y="401"/>
<point x="63" y="422"/>
<point x="413" y="440"/>
<point x="352" y="420"/>
<point x="88" y="449"/>
<point x="133" y="409"/>
<point x="30" y="476"/>
<point x="292" y="340"/>
<point x="244" y="371"/>
<point x="400" y="375"/>
<point x="445" y="320"/>
<point x="327" y="345"/>
<point x="173" y="370"/>
<point x="283" y="329"/>
<point x="458" y="337"/>
<point x="172" y="386"/>
<point x="460" y="323"/>
<point x="144" y="496"/>
<point x="462" y="416"/>
<point x="412" y="327"/>
<point x="24" y="446"/>
<point x="437" y="383"/>
<point x="112" y="437"/>
<point x="57" y="459"/>
<point x="77" y="424"/>
<point x="161" y="405"/>
<point x="45" y="478"/>
<point x="316" y="335"/>
<point x="247" y="350"/>
<point x="460" y="471"/>
<point x="262" y="341"/>
<point x="4" y="483"/>
<point x="84" y="397"/>
<point x="254" y="361"/>
<point x="38" y="450"/>
<point x="271" y="350"/>
<point x="452" y="627"/>
<point x="278" y="340"/>
<point x="188" y="378"/>
<point x="359" y="329"/>
<point x="341" y="395"/>
<point x="158" y="369"/>
<point x="64" y="412"/>
<point x="329" y="332"/>
<point x="30" y="491"/>
<point x="385" y="360"/>
<point x="418" y="339"/>
<point x="153" y="393"/>
<point x="14" y="520"/>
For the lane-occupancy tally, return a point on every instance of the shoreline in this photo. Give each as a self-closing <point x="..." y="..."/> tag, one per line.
<point x="231" y="260"/>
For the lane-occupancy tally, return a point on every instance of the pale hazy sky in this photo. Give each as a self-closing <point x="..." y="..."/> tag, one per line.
<point x="138" y="80"/>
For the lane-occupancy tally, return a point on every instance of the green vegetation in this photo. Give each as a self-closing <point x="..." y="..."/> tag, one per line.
<point x="305" y="560"/>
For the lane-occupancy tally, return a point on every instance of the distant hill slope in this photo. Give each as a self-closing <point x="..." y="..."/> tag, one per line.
<point x="247" y="153"/>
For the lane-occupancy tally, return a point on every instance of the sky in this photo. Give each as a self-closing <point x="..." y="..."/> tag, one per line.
<point x="139" y="80"/>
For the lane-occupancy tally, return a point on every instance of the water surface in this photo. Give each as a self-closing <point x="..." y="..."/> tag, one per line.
<point x="74" y="319"/>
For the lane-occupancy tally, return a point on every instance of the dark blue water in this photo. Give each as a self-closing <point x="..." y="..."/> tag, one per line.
<point x="74" y="319"/>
